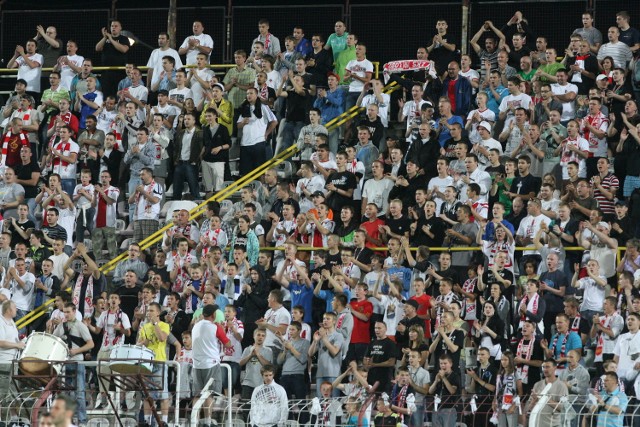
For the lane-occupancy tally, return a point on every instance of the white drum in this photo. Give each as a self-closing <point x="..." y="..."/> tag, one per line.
<point x="131" y="359"/>
<point x="41" y="351"/>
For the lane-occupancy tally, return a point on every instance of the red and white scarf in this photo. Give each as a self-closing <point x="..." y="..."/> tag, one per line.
<point x="5" y="145"/>
<point x="57" y="161"/>
<point x="563" y="348"/>
<point x="403" y="66"/>
<point x="532" y="307"/>
<point x="470" y="306"/>
<point x="596" y="122"/>
<point x="606" y="323"/>
<point x="525" y="352"/>
<point x="88" y="296"/>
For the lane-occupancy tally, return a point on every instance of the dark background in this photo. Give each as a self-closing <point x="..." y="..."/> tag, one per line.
<point x="390" y="30"/>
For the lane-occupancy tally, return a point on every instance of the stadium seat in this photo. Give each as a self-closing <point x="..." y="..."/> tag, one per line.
<point x="99" y="422"/>
<point x="225" y="206"/>
<point x="285" y="170"/>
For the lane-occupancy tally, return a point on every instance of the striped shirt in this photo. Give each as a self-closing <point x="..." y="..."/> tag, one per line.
<point x="606" y="205"/>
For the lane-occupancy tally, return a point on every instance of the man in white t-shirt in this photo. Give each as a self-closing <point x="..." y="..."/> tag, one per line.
<point x="359" y="70"/>
<point x="147" y="197"/>
<point x="378" y="98"/>
<point x="513" y="101"/>
<point x="207" y="338"/>
<point x="566" y="93"/>
<point x="155" y="60"/>
<point x="69" y="65"/>
<point x="199" y="42"/>
<point x="21" y="283"/>
<point x="178" y="95"/>
<point x="200" y="79"/>
<point x="64" y="157"/>
<point x="29" y="65"/>
<point x="276" y="320"/>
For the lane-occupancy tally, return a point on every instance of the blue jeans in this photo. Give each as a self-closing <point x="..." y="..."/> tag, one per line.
<point x="76" y="378"/>
<point x="68" y="185"/>
<point x="185" y="171"/>
<point x="290" y="134"/>
<point x="19" y="315"/>
<point x="235" y="374"/>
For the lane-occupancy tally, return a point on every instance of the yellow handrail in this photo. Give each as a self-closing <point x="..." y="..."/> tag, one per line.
<point x="355" y="110"/>
<point x="193" y="214"/>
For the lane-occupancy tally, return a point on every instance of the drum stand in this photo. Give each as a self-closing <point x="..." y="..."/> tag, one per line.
<point x="44" y="383"/>
<point x="135" y="381"/>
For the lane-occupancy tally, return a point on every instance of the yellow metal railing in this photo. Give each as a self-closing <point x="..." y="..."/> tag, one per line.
<point x="193" y="214"/>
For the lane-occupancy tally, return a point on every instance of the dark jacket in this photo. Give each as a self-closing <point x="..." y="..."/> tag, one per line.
<point x="197" y="142"/>
<point x="425" y="155"/>
<point x="219" y="139"/>
<point x="463" y="95"/>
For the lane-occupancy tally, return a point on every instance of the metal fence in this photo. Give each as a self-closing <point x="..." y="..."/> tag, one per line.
<point x="390" y="31"/>
<point x="316" y="18"/>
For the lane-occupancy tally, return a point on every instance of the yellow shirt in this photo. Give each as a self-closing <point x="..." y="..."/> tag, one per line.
<point x="158" y="347"/>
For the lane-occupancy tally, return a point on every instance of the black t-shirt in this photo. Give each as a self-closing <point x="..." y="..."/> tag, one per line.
<point x="487" y="376"/>
<point x="516" y="55"/>
<point x="343" y="181"/>
<point x="111" y="55"/>
<point x="363" y="255"/>
<point x="55" y="232"/>
<point x="526" y="184"/>
<point x="399" y="226"/>
<point x="24" y="172"/>
<point x="381" y="351"/>
<point x="443" y="392"/>
<point x="297" y="106"/>
<point x="333" y="260"/>
<point x="534" y="372"/>
<point x="128" y="299"/>
<point x="15" y="236"/>
<point x="555" y="303"/>
<point x="436" y="226"/>
<point x="488" y="279"/>
<point x="402" y="338"/>
<point x="450" y="146"/>
<point x="457" y="337"/>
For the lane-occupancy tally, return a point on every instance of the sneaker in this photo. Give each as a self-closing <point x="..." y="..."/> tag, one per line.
<point x="123" y="406"/>
<point x="101" y="402"/>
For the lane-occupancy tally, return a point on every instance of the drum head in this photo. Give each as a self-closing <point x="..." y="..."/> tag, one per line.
<point x="128" y="368"/>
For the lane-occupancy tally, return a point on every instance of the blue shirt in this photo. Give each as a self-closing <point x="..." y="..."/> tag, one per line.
<point x="330" y="106"/>
<point x="302" y="295"/>
<point x="402" y="273"/>
<point x="494" y="104"/>
<point x="445" y="135"/>
<point x="573" y="342"/>
<point x="490" y="229"/>
<point x="328" y="297"/>
<point x="608" y="419"/>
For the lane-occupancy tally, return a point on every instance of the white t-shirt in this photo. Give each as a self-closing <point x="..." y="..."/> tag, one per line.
<point x="155" y="62"/>
<point x="377" y="191"/>
<point x="593" y="294"/>
<point x="253" y="132"/>
<point x="197" y="90"/>
<point x="513" y="101"/>
<point x="383" y="108"/>
<point x="360" y="69"/>
<point x="23" y="296"/>
<point x="8" y="332"/>
<point x="30" y="75"/>
<point x="106" y="322"/>
<point x="204" y="39"/>
<point x="487" y="115"/>
<point x="488" y="144"/>
<point x="411" y="110"/>
<point x="275" y="318"/>
<point x="529" y="226"/>
<point x="206" y="345"/>
<point x="144" y="208"/>
<point x="567" y="156"/>
<point x="440" y="184"/>
<point x="568" y="108"/>
<point x="66" y="72"/>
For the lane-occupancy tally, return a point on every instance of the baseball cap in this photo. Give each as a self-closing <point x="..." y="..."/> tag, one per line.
<point x="601" y="77"/>
<point x="318" y="193"/>
<point x="486" y="125"/>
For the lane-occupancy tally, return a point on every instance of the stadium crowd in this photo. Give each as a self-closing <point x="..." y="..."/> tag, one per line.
<point x="538" y="147"/>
